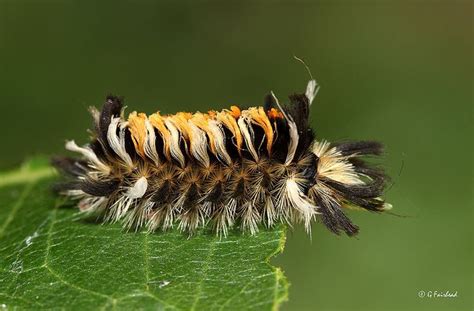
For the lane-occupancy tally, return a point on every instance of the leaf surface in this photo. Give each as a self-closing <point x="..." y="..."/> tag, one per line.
<point x="51" y="257"/>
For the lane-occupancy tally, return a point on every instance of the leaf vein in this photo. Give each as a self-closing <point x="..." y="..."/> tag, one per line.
<point x="16" y="207"/>
<point x="205" y="269"/>
<point x="147" y="273"/>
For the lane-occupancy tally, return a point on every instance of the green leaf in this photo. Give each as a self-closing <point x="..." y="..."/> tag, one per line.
<point x="50" y="257"/>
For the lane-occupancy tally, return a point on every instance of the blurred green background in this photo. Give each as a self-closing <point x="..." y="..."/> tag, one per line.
<point x="398" y="72"/>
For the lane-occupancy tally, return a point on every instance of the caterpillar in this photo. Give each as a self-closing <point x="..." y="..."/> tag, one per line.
<point x="249" y="168"/>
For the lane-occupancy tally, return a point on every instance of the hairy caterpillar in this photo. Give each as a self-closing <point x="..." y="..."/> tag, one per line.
<point x="245" y="167"/>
